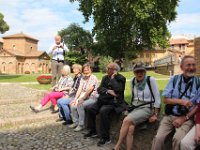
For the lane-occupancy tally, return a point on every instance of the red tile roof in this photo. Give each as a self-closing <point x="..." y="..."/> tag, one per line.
<point x="19" y="35"/>
<point x="178" y="41"/>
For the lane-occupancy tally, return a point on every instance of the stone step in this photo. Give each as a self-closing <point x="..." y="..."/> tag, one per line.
<point x="16" y="93"/>
<point x="16" y="114"/>
<point x="19" y="101"/>
<point x="11" y="122"/>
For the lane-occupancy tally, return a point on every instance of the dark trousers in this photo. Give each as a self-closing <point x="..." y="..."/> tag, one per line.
<point x="104" y="112"/>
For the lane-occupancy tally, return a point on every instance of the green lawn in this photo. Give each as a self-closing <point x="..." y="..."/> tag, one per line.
<point x="18" y="78"/>
<point x="32" y="78"/>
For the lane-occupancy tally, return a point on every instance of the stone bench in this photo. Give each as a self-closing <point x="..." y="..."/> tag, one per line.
<point x="143" y="136"/>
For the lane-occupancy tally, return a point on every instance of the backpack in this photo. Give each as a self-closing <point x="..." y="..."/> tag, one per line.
<point x="149" y="85"/>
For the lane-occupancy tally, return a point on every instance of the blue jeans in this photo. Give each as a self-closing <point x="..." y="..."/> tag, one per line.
<point x="64" y="111"/>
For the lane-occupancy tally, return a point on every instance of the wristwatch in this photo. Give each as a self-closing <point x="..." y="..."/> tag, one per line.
<point x="187" y="117"/>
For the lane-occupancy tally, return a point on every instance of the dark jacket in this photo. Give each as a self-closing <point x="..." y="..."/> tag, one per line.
<point x="118" y="85"/>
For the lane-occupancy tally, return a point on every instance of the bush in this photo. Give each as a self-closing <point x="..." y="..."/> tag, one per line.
<point x="75" y="57"/>
<point x="103" y="62"/>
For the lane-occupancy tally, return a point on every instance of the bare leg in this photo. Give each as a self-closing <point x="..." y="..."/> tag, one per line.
<point x="129" y="137"/>
<point x="123" y="132"/>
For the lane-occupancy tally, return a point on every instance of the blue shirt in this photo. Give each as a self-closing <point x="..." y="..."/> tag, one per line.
<point x="179" y="88"/>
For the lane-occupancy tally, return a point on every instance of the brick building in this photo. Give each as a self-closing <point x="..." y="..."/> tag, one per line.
<point x="19" y="55"/>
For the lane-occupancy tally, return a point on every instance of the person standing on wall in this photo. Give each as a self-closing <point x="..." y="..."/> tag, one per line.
<point x="57" y="50"/>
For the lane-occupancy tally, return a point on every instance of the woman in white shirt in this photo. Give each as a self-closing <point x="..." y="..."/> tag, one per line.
<point x="145" y="99"/>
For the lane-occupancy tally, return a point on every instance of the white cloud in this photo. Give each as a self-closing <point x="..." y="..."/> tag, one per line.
<point x="39" y="19"/>
<point x="186" y="24"/>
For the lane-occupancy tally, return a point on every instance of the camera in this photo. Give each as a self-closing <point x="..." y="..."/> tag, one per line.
<point x="182" y="110"/>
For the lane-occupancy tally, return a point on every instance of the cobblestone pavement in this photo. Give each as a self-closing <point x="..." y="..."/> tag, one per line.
<point x="47" y="135"/>
<point x="42" y="135"/>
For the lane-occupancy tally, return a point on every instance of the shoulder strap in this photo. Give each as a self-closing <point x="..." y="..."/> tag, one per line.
<point x="175" y="80"/>
<point x="149" y="84"/>
<point x="197" y="81"/>
<point x="133" y="84"/>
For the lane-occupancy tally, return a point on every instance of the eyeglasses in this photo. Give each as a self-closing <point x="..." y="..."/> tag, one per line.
<point x="139" y="71"/>
<point x="110" y="68"/>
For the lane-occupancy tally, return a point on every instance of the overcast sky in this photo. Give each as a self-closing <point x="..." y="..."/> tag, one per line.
<point x="42" y="19"/>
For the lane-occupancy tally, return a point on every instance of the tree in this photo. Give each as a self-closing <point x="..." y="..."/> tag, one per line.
<point x="3" y="25"/>
<point x="77" y="38"/>
<point x="121" y="26"/>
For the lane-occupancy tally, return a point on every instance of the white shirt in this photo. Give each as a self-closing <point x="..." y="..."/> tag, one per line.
<point x="145" y="95"/>
<point x="58" y="52"/>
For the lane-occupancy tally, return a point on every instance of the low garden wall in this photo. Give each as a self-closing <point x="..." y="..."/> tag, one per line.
<point x="143" y="135"/>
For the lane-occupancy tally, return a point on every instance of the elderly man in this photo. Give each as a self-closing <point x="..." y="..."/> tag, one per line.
<point x="111" y="99"/>
<point x="180" y="99"/>
<point x="57" y="50"/>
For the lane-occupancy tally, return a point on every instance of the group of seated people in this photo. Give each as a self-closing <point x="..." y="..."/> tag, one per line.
<point x="81" y="96"/>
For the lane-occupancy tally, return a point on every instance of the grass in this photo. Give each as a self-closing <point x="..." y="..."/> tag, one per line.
<point x="18" y="78"/>
<point x="32" y="78"/>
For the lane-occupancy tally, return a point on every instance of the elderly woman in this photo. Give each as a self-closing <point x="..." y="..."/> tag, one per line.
<point x="59" y="90"/>
<point x="86" y="95"/>
<point x="63" y="103"/>
<point x="146" y="101"/>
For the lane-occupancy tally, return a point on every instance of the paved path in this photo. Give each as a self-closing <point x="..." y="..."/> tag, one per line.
<point x="21" y="129"/>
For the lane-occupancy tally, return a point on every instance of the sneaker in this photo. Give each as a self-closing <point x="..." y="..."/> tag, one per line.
<point x="67" y="122"/>
<point x="103" y="141"/>
<point x="34" y="109"/>
<point x="78" y="128"/>
<point x="74" y="125"/>
<point x="59" y="119"/>
<point x="55" y="111"/>
<point x="91" y="134"/>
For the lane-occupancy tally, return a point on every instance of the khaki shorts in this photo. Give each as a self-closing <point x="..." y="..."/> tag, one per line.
<point x="140" y="115"/>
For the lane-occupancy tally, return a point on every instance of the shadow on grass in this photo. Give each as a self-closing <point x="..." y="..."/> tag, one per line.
<point x="3" y="77"/>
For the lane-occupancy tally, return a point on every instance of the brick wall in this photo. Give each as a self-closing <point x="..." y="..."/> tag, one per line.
<point x="197" y="53"/>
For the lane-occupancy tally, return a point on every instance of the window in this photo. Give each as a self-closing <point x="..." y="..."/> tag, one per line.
<point x="14" y="46"/>
<point x="183" y="46"/>
<point x="179" y="46"/>
<point x="147" y="55"/>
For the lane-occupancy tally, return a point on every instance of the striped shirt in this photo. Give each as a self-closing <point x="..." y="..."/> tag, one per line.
<point x="65" y="82"/>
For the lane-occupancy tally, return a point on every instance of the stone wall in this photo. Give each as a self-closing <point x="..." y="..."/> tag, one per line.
<point x="168" y="69"/>
<point x="197" y="54"/>
<point x="143" y="135"/>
